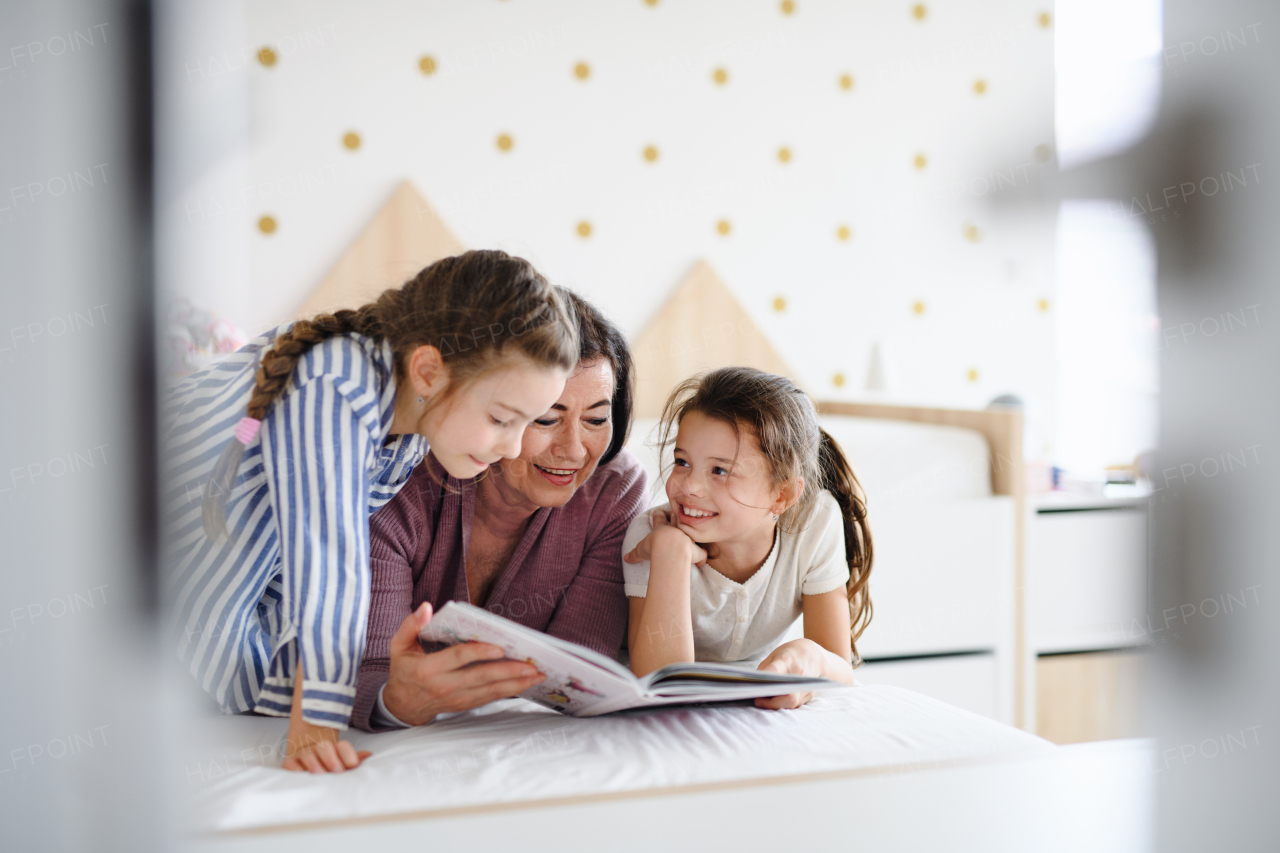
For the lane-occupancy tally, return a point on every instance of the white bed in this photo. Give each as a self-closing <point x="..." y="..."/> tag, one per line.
<point x="517" y="771"/>
<point x="516" y="752"/>
<point x="944" y="546"/>
<point x="876" y="764"/>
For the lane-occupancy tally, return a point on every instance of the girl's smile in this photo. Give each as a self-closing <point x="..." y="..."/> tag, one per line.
<point x="484" y="422"/>
<point x="719" y="486"/>
<point x="693" y="516"/>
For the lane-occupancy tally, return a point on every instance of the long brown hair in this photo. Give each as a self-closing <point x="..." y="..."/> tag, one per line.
<point x="784" y="422"/>
<point x="475" y="308"/>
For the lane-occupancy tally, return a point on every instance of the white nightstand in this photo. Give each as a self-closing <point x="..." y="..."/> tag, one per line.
<point x="1087" y="590"/>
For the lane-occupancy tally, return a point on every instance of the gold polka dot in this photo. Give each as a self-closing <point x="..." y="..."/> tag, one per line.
<point x="919" y="11"/>
<point x="779" y="304"/>
<point x="427" y="65"/>
<point x="351" y="140"/>
<point x="651" y="2"/>
<point x="787" y="6"/>
<point x="972" y="375"/>
<point x="920" y="161"/>
<point x="267" y="56"/>
<point x="917" y="307"/>
<point x="1043" y="305"/>
<point x="979" y="87"/>
<point x="843" y="233"/>
<point x="267" y="224"/>
<point x="584" y="229"/>
<point x="651" y="153"/>
<point x="1044" y="19"/>
<point x="723" y="227"/>
<point x="784" y="154"/>
<point x="720" y="76"/>
<point x="846" y="81"/>
<point x="838" y="380"/>
<point x="505" y="142"/>
<point x="1043" y="152"/>
<point x="973" y="233"/>
<point x="582" y="71"/>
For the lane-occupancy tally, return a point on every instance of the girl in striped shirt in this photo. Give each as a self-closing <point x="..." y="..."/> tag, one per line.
<point x="267" y="513"/>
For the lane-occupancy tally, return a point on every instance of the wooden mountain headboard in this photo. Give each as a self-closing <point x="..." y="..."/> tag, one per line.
<point x="405" y="236"/>
<point x="701" y="327"/>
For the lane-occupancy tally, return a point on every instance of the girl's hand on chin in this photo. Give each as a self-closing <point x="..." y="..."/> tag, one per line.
<point x="798" y="657"/>
<point x="664" y="538"/>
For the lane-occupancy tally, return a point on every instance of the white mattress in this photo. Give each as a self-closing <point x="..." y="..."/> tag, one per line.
<point x="902" y="461"/>
<point x="897" y="462"/>
<point x="515" y="752"/>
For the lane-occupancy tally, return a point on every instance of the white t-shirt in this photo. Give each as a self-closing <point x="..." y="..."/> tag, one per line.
<point x="746" y="621"/>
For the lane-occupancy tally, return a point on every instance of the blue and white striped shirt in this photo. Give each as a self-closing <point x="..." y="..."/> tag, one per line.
<point x="292" y="575"/>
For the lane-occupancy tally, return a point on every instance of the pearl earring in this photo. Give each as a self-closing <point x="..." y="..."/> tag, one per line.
<point x="420" y="401"/>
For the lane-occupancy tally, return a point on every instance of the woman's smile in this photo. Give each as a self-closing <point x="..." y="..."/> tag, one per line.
<point x="557" y="476"/>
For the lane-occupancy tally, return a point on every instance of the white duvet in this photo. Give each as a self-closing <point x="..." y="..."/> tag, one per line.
<point x="514" y="751"/>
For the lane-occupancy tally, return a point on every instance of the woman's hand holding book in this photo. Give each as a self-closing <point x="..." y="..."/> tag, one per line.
<point x="459" y="678"/>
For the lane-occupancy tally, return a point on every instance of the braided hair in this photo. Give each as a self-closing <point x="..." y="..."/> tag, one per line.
<point x="475" y="308"/>
<point x="278" y="363"/>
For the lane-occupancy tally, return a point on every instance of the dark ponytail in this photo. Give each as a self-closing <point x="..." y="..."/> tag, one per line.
<point x="471" y="307"/>
<point x="838" y="479"/>
<point x="784" y="422"/>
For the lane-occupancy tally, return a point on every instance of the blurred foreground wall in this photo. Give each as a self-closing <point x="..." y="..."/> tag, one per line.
<point x="1216" y="702"/>
<point x="78" y="730"/>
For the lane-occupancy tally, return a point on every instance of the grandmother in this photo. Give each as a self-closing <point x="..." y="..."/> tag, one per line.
<point x="537" y="539"/>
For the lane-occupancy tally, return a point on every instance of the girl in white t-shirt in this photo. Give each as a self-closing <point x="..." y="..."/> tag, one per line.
<point x="766" y="523"/>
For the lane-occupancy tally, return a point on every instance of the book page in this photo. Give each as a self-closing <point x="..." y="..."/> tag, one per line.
<point x="575" y="684"/>
<point x="706" y="677"/>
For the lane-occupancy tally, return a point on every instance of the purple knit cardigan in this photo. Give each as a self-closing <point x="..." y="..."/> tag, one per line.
<point x="564" y="578"/>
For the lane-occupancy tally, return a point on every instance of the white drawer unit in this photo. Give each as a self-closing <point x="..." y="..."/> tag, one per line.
<point x="966" y="681"/>
<point x="942" y="579"/>
<point x="1087" y="575"/>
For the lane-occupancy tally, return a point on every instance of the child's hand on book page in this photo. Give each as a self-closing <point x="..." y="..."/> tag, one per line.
<point x="798" y="657"/>
<point x="458" y="678"/>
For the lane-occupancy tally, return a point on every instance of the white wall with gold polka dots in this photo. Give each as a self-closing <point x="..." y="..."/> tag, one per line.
<point x="835" y="162"/>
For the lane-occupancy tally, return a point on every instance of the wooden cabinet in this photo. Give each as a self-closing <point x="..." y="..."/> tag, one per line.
<point x="1089" y="696"/>
<point x="1086" y="590"/>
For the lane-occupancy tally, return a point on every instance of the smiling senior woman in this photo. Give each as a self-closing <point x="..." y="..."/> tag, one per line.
<point x="537" y="539"/>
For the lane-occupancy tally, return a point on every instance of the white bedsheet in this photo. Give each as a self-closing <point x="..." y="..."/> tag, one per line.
<point x="514" y="751"/>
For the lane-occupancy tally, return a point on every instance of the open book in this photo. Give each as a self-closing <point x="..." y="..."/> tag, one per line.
<point x="583" y="683"/>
